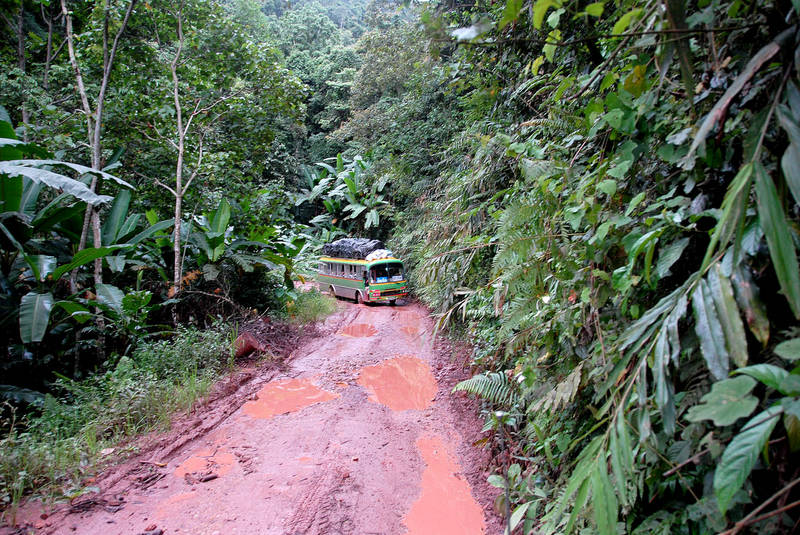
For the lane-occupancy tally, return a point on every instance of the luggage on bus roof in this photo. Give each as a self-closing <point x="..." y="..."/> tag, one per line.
<point x="357" y="248"/>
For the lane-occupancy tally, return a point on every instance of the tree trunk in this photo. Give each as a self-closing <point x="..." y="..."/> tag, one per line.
<point x="21" y="63"/>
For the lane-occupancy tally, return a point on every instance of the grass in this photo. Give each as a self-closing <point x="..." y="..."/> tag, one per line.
<point x="310" y="306"/>
<point x="53" y="452"/>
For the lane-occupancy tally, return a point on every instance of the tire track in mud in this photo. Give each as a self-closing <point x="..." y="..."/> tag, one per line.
<point x="357" y="435"/>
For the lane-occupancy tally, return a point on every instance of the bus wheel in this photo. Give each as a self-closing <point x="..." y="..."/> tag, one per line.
<point x="393" y="302"/>
<point x="331" y="291"/>
<point x="359" y="298"/>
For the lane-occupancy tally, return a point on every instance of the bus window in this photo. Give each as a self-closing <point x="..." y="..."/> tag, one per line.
<point x="395" y="271"/>
<point x="379" y="274"/>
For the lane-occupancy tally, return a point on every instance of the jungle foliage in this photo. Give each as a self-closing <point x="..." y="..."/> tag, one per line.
<point x="611" y="216"/>
<point x="601" y="196"/>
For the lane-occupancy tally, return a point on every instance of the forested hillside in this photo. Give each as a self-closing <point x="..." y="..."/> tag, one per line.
<point x="602" y="198"/>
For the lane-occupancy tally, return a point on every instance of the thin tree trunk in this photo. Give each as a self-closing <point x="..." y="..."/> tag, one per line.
<point x="48" y="54"/>
<point x="21" y="63"/>
<point x="176" y="243"/>
<point x="94" y="123"/>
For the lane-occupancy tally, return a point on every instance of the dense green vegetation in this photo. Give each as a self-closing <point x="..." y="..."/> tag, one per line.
<point x="601" y="196"/>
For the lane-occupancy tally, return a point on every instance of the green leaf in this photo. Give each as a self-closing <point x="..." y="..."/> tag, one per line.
<point x="625" y="20"/>
<point x="510" y="13"/>
<point x="709" y="331"/>
<point x="728" y="401"/>
<point x="116" y="218"/>
<point x="84" y="257"/>
<point x="749" y="302"/>
<point x="789" y="350"/>
<point x="790" y="386"/>
<point x="540" y="10"/>
<point x="76" y="310"/>
<point x="604" y="501"/>
<point x="595" y="9"/>
<point x="790" y="163"/>
<point x="669" y="255"/>
<point x="728" y="313"/>
<point x="635" y="202"/>
<point x="518" y="515"/>
<point x="34" y="315"/>
<point x="740" y="456"/>
<point x="56" y="181"/>
<point x="770" y="375"/>
<point x="41" y="265"/>
<point x="110" y="296"/>
<point x="779" y="238"/>
<point x="609" y="187"/>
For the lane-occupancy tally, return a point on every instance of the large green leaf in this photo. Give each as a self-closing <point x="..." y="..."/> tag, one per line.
<point x="789" y="350"/>
<point x="709" y="331"/>
<point x="604" y="501"/>
<point x="84" y="257"/>
<point x="41" y="265"/>
<point x="770" y="375"/>
<point x="728" y="314"/>
<point x="728" y="401"/>
<point x="34" y="315"/>
<point x="110" y="296"/>
<point x="10" y="193"/>
<point x="740" y="456"/>
<point x="510" y="13"/>
<point x="779" y="238"/>
<point x="75" y="188"/>
<point x="116" y="217"/>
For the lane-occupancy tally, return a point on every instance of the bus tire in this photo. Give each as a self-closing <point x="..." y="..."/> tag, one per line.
<point x="331" y="291"/>
<point x="359" y="298"/>
<point x="393" y="302"/>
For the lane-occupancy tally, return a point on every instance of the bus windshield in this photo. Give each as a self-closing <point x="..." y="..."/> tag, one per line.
<point x="392" y="272"/>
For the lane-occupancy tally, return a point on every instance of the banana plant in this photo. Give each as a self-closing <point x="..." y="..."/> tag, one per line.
<point x="120" y="228"/>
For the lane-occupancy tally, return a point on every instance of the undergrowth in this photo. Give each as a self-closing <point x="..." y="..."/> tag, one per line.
<point x="52" y="452"/>
<point x="310" y="306"/>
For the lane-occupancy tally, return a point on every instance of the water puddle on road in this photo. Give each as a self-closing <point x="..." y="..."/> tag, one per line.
<point x="400" y="383"/>
<point x="359" y="330"/>
<point x="281" y="397"/>
<point x="220" y="463"/>
<point x="445" y="501"/>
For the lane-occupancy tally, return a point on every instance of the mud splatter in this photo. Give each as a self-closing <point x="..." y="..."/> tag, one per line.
<point x="446" y="500"/>
<point x="359" y="330"/>
<point x="281" y="397"/>
<point x="221" y="462"/>
<point x="400" y="383"/>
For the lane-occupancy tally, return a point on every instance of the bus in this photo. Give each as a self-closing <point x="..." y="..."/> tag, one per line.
<point x="365" y="281"/>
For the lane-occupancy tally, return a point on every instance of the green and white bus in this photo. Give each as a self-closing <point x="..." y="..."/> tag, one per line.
<point x="366" y="281"/>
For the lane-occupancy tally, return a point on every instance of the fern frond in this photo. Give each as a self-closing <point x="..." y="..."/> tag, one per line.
<point x="491" y="386"/>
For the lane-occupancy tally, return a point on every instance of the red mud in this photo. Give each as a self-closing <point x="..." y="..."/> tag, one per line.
<point x="359" y="330"/>
<point x="347" y="439"/>
<point x="281" y="397"/>
<point x="400" y="383"/>
<point x="446" y="506"/>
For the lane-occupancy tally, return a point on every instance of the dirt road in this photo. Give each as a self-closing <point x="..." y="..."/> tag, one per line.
<point x="357" y="434"/>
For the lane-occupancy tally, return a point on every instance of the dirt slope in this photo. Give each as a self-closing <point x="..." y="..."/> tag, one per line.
<point x="357" y="434"/>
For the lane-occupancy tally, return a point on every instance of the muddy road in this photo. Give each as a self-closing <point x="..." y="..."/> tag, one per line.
<point x="356" y="434"/>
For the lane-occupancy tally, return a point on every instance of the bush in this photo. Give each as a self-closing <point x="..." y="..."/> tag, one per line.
<point x="52" y="452"/>
<point x="310" y="306"/>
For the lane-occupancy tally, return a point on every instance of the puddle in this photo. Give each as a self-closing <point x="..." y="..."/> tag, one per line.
<point x="400" y="383"/>
<point x="359" y="330"/>
<point x="204" y="460"/>
<point x="445" y="501"/>
<point x="281" y="397"/>
<point x="409" y="330"/>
